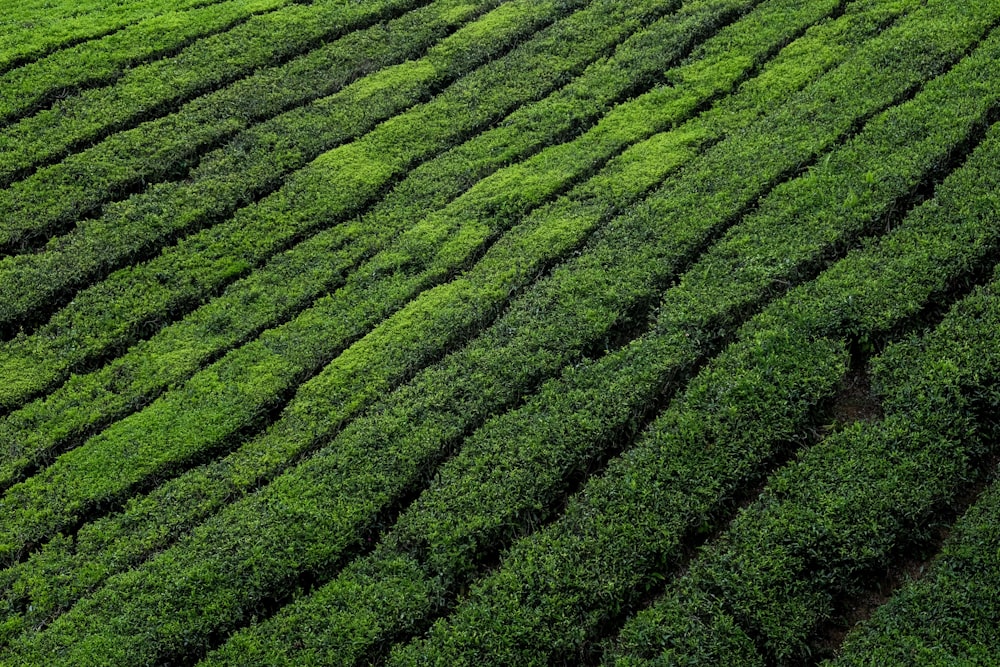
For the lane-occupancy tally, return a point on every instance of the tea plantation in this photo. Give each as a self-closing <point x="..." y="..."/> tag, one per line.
<point x="499" y="332"/>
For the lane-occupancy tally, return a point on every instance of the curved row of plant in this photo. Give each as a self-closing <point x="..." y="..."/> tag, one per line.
<point x="56" y="197"/>
<point x="32" y="31"/>
<point x="847" y="507"/>
<point x="242" y="71"/>
<point x="628" y="529"/>
<point x="325" y="505"/>
<point x="950" y="615"/>
<point x="26" y="89"/>
<point x="86" y="401"/>
<point x="127" y="538"/>
<point x="363" y="300"/>
<point x="509" y="476"/>
<point x="136" y="302"/>
<point x="236" y="392"/>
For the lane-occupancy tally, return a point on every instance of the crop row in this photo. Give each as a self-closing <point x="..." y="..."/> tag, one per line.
<point x="27" y="88"/>
<point x="848" y="506"/>
<point x="31" y="31"/>
<point x="239" y="389"/>
<point x="321" y="508"/>
<point x="135" y="302"/>
<point x="627" y="529"/>
<point x="509" y="475"/>
<point x="950" y="615"/>
<point x="366" y="299"/>
<point x="54" y="197"/>
<point x="252" y="50"/>
<point x="300" y="274"/>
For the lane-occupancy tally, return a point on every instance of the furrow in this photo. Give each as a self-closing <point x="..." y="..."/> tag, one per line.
<point x="280" y="98"/>
<point x="208" y="331"/>
<point x="34" y="32"/>
<point x="950" y="615"/>
<point x="261" y="376"/>
<point x="507" y="478"/>
<point x="129" y="534"/>
<point x="843" y="509"/>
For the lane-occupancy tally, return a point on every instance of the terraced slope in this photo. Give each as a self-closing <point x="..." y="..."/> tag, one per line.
<point x="499" y="332"/>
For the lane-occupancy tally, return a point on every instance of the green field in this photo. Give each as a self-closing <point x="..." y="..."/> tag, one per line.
<point x="499" y="332"/>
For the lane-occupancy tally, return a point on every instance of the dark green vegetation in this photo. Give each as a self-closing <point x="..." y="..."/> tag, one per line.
<point x="483" y="332"/>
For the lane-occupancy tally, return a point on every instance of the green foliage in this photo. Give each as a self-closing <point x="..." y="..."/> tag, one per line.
<point x="244" y="58"/>
<point x="376" y="286"/>
<point x="236" y="392"/>
<point x="167" y="147"/>
<point x="840" y="513"/>
<point x="560" y="584"/>
<point x="506" y="475"/>
<point x="34" y="28"/>
<point x="337" y="493"/>
<point x="26" y="88"/>
<point x="948" y="616"/>
<point x="117" y="311"/>
<point x="296" y="276"/>
<point x="381" y="286"/>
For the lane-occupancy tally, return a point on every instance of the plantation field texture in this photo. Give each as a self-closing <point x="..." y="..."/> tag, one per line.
<point x="499" y="332"/>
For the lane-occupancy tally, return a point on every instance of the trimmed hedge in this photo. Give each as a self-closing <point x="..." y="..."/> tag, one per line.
<point x="838" y="515"/>
<point x="235" y="393"/>
<point x="135" y="533"/>
<point x="135" y="302"/>
<point x="299" y="275"/>
<point x="558" y="587"/>
<point x="53" y="198"/>
<point x="504" y="481"/>
<point x="31" y="31"/>
<point x="951" y="614"/>
<point x="243" y="78"/>
<point x="27" y="88"/>
<point x="321" y="508"/>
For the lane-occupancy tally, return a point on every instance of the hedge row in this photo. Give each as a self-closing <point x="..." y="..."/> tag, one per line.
<point x="82" y="403"/>
<point x="66" y="349"/>
<point x="322" y="507"/>
<point x="27" y="88"/>
<point x="508" y="475"/>
<point x="621" y="534"/>
<point x="53" y="198"/>
<point x="136" y="302"/>
<point x="840" y="514"/>
<point x="246" y="62"/>
<point x="33" y="29"/>
<point x="309" y="269"/>
<point x="951" y="614"/>
<point x="237" y="392"/>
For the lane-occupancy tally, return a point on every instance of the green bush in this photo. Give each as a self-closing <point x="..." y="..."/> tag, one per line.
<point x="27" y="88"/>
<point x="32" y="30"/>
<point x="617" y="537"/>
<point x="321" y="508"/>
<point x="237" y="392"/>
<point x="950" y="615"/>
<point x="845" y="507"/>
<point x="121" y="309"/>
<point x="242" y="78"/>
<point x="128" y="537"/>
